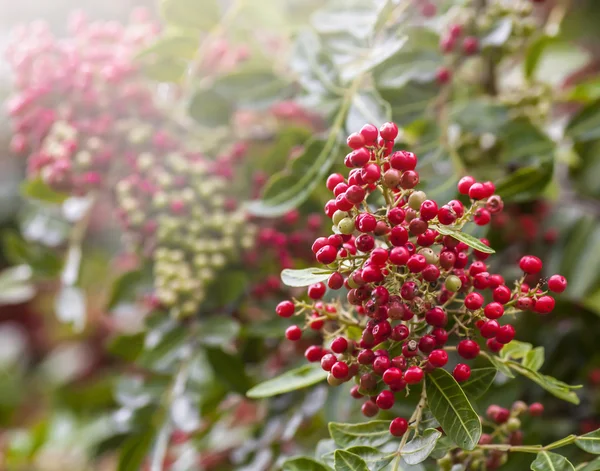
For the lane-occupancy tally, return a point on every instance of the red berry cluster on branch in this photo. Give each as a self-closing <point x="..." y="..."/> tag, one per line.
<point x="413" y="283"/>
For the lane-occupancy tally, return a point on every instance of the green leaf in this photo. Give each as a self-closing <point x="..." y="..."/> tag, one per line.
<point x="38" y="190"/>
<point x="173" y="44"/>
<point x="168" y="69"/>
<point x="550" y="384"/>
<point x="468" y="239"/>
<point x="500" y="365"/>
<point x="367" y="106"/>
<point x="229" y="287"/>
<point x="443" y="446"/>
<point x="191" y="13"/>
<point x="375" y="459"/>
<point x="516" y="350"/>
<point x="585" y="125"/>
<point x="15" y="285"/>
<point x="162" y="346"/>
<point x="591" y="466"/>
<point x="228" y="369"/>
<point x="534" y="359"/>
<point x="499" y="34"/>
<point x="346" y="461"/>
<point x="44" y="262"/>
<point x="480" y="116"/>
<point x="589" y="442"/>
<point x="452" y="409"/>
<point x="372" y="434"/>
<point x="292" y="380"/>
<point x="304" y="277"/>
<point x="210" y="109"/>
<point x="288" y="189"/>
<point x="124" y="287"/>
<point x="547" y="461"/>
<point x="419" y="448"/>
<point x="127" y="347"/>
<point x="525" y="183"/>
<point x="134" y="451"/>
<point x="218" y="331"/>
<point x="479" y="382"/>
<point x="252" y="87"/>
<point x="535" y="53"/>
<point x="304" y="464"/>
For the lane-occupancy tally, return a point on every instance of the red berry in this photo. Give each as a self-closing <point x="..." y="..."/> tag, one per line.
<point x="359" y="158"/>
<point x="443" y="75"/>
<point x="438" y="358"/>
<point x="493" y="310"/>
<point x="482" y="217"/>
<point x="328" y="361"/>
<point x="293" y="333"/>
<point x="339" y="370"/>
<point x="355" y="194"/>
<point x="385" y="399"/>
<point x="446" y="215"/>
<point x="370" y="134"/>
<point x="505" y="334"/>
<point x="455" y="30"/>
<point x="427" y="343"/>
<point x="464" y="184"/>
<point x="333" y="180"/>
<point x="416" y="263"/>
<point x="502" y="294"/>
<point x="429" y="210"/>
<point x="536" y="409"/>
<point x="392" y="375"/>
<point x="327" y="254"/>
<point x="436" y="317"/>
<point x="398" y="236"/>
<point x="403" y="160"/>
<point x="468" y="349"/>
<point x="557" y="283"/>
<point x="369" y="409"/>
<point x="339" y="345"/>
<point x="314" y="353"/>
<point x="396" y="216"/>
<point x="355" y="140"/>
<point x="461" y="372"/>
<point x="530" y="264"/>
<point x="473" y="301"/>
<point x="413" y="375"/>
<point x="389" y="131"/>
<point x="316" y="291"/>
<point x="285" y="309"/>
<point x="381" y="364"/>
<point x="494" y="345"/>
<point x="335" y="281"/>
<point x="366" y="357"/>
<point x="470" y="45"/>
<point x="409" y="179"/>
<point x="365" y="222"/>
<point x="489" y="329"/>
<point x="544" y="305"/>
<point x="477" y="191"/>
<point x="398" y="427"/>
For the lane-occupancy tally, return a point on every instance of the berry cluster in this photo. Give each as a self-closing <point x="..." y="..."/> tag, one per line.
<point x="77" y="98"/>
<point x="504" y="429"/>
<point x="413" y="281"/>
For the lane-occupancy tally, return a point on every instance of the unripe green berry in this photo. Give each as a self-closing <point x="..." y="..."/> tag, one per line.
<point x="346" y="226"/>
<point x="416" y="199"/>
<point x="453" y="283"/>
<point x="338" y="216"/>
<point x="333" y="381"/>
<point x="513" y="424"/>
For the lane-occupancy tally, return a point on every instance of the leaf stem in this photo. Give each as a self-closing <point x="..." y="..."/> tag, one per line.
<point x="531" y="448"/>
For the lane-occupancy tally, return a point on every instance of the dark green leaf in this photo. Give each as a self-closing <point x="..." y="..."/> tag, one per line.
<point x="589" y="442"/>
<point x="500" y="365"/>
<point x="228" y="369"/>
<point x="191" y="14"/>
<point x="591" y="466"/>
<point x="43" y="261"/>
<point x="229" y="287"/>
<point x="480" y="116"/>
<point x="452" y="409"/>
<point x="37" y="189"/>
<point x="525" y="183"/>
<point x="480" y="381"/>
<point x="550" y="384"/>
<point x="163" y="346"/>
<point x="124" y="288"/>
<point x="468" y="239"/>
<point x="546" y="461"/>
<point x="372" y="434"/>
<point x="419" y="448"/>
<point x="210" y="109"/>
<point x="127" y="347"/>
<point x="346" y="461"/>
<point x="535" y="53"/>
<point x="375" y="459"/>
<point x="304" y="277"/>
<point x="292" y="380"/>
<point x="443" y="446"/>
<point x="134" y="451"/>
<point x="289" y="189"/>
<point x="304" y="464"/>
<point x="585" y="125"/>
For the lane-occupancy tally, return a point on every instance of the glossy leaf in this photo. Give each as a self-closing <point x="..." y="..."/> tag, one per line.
<point x="43" y="261"/>
<point x="589" y="442"/>
<point x="124" y="287"/>
<point x="525" y="183"/>
<point x="292" y="380"/>
<point x="304" y="277"/>
<point x="419" y="448"/>
<point x="228" y="369"/>
<point x="372" y="434"/>
<point x="452" y="409"/>
<point x="585" y="125"/>
<point x="515" y="349"/>
<point x="547" y="461"/>
<point x="376" y="460"/>
<point x="500" y="365"/>
<point x="304" y="464"/>
<point x="480" y="381"/>
<point x="534" y="359"/>
<point x="468" y="239"/>
<point x="591" y="466"/>
<point x="134" y="451"/>
<point x="290" y="188"/>
<point x="346" y="461"/>
<point x="553" y="386"/>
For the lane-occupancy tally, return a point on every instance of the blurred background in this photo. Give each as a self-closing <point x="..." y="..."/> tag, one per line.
<point x="82" y="382"/>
